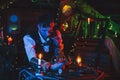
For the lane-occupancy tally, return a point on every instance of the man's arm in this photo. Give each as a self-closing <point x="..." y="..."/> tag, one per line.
<point x="29" y="45"/>
<point x="58" y="43"/>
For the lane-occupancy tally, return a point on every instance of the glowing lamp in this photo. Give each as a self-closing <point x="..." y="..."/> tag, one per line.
<point x="66" y="25"/>
<point x="79" y="60"/>
<point x="13" y="18"/>
<point x="67" y="10"/>
<point x="10" y="40"/>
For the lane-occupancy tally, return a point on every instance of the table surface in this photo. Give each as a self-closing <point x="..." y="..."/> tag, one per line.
<point x="68" y="74"/>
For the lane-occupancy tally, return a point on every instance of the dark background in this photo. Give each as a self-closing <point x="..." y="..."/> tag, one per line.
<point x="107" y="8"/>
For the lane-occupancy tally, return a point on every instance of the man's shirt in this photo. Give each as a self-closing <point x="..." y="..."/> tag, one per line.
<point x="29" y="44"/>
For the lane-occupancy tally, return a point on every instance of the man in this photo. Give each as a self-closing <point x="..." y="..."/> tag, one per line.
<point x="45" y="41"/>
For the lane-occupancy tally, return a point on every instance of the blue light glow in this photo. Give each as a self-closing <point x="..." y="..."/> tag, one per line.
<point x="13" y="18"/>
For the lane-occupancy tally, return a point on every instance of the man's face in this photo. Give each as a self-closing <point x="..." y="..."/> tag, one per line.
<point x="44" y="30"/>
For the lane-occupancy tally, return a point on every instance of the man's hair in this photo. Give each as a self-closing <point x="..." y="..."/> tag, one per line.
<point x="45" y="20"/>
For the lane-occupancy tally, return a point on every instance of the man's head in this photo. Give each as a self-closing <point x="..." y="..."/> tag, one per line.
<point x="44" y="25"/>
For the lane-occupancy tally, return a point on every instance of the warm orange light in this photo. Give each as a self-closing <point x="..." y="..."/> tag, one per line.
<point x="79" y="60"/>
<point x="67" y="10"/>
<point x="40" y="56"/>
<point x="10" y="39"/>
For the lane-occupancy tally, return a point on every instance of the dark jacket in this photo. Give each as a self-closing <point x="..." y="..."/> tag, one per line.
<point x="39" y="47"/>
